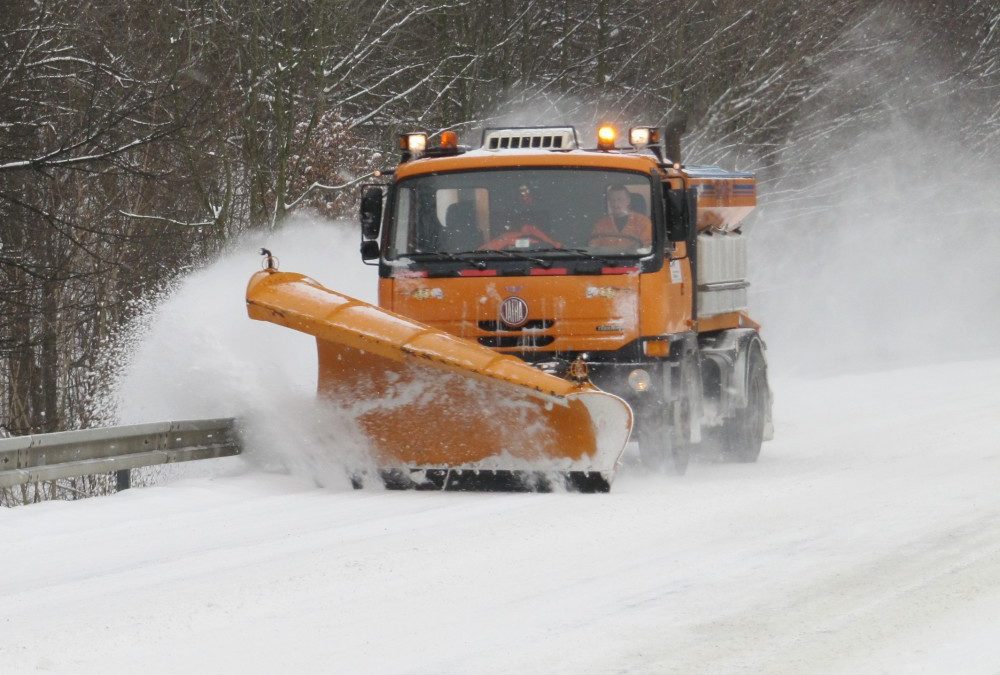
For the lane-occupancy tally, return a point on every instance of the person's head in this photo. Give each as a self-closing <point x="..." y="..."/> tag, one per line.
<point x="619" y="199"/>
<point x="525" y="196"/>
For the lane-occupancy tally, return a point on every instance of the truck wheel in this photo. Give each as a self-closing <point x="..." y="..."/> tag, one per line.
<point x="742" y="436"/>
<point x="657" y="447"/>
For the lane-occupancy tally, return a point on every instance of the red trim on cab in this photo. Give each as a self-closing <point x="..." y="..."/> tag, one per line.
<point x="619" y="270"/>
<point x="477" y="273"/>
<point x="551" y="272"/>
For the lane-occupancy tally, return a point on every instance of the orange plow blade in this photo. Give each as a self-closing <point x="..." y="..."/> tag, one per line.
<point x="441" y="412"/>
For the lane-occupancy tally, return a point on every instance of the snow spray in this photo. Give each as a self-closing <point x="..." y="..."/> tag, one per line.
<point x="196" y="354"/>
<point x="877" y="247"/>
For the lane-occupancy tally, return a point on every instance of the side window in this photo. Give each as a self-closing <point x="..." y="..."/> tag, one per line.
<point x="404" y="220"/>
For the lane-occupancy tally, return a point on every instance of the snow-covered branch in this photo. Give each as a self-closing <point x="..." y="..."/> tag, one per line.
<point x="330" y="188"/>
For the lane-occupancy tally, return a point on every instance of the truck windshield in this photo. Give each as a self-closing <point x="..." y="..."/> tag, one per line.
<point x="539" y="212"/>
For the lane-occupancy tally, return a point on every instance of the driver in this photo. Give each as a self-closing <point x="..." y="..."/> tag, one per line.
<point x="528" y="235"/>
<point x="622" y="227"/>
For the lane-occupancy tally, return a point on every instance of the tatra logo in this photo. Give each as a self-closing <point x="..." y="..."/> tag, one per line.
<point x="514" y="312"/>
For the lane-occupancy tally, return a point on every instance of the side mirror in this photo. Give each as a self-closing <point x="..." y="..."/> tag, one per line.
<point x="692" y="213"/>
<point x="678" y="225"/>
<point x="371" y="212"/>
<point x="369" y="249"/>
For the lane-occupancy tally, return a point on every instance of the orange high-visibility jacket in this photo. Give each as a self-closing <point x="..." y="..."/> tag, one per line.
<point x="638" y="226"/>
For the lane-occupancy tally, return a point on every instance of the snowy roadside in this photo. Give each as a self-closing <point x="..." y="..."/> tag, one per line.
<point x="866" y="539"/>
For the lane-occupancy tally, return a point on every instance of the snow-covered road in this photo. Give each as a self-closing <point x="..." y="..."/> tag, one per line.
<point x="867" y="539"/>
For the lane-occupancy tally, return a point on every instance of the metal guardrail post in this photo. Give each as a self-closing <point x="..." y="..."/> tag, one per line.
<point x="123" y="479"/>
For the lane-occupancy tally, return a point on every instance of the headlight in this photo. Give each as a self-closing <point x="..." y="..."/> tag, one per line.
<point x="639" y="380"/>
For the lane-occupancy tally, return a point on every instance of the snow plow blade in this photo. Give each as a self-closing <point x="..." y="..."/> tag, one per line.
<point x="440" y="412"/>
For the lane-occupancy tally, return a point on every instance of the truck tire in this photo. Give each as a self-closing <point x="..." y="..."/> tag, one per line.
<point x="658" y="448"/>
<point x="743" y="434"/>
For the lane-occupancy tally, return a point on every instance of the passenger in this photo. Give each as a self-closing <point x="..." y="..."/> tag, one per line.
<point x="524" y="230"/>
<point x="622" y="228"/>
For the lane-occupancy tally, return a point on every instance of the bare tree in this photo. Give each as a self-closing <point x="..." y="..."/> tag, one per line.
<point x="137" y="138"/>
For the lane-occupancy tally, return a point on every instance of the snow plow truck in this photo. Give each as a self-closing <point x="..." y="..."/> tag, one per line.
<point x="539" y="304"/>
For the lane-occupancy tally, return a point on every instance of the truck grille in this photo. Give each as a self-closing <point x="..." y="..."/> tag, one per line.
<point x="534" y="324"/>
<point x="520" y="341"/>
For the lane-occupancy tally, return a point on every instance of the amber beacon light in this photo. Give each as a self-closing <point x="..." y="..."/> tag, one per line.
<point x="606" y="135"/>
<point x="449" y="140"/>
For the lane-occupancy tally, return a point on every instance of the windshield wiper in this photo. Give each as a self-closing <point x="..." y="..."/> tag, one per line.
<point x="453" y="257"/>
<point x="519" y="256"/>
<point x="577" y="251"/>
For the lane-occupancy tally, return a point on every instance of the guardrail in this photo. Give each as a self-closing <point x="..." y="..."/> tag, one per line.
<point x="69" y="454"/>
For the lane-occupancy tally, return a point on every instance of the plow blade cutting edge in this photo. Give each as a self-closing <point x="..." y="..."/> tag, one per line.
<point x="440" y="412"/>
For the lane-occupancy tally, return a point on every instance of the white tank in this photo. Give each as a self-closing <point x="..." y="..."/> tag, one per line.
<point x="722" y="273"/>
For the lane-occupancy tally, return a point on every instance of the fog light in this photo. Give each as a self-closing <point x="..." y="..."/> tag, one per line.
<point x="413" y="143"/>
<point x="640" y="137"/>
<point x="639" y="380"/>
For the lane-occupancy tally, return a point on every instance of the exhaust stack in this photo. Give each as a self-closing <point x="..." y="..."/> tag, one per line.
<point x="675" y="128"/>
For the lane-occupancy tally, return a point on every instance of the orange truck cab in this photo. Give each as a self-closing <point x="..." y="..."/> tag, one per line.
<point x="613" y="263"/>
